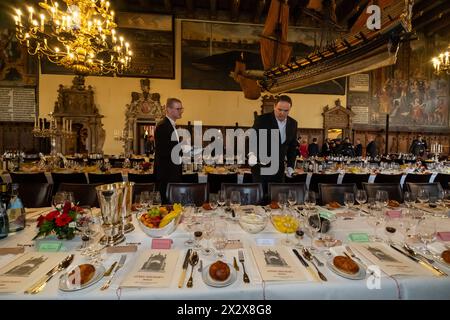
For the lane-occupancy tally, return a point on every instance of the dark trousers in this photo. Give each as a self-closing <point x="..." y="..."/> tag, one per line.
<point x="266" y="179"/>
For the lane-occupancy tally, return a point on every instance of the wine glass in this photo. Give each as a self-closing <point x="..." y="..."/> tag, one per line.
<point x="349" y="200"/>
<point x="208" y="230"/>
<point x="422" y="195"/>
<point x="235" y="200"/>
<point x="145" y="200"/>
<point x="409" y="199"/>
<point x="391" y="226"/>
<point x="83" y="223"/>
<point x="292" y="198"/>
<point x="375" y="218"/>
<point x="221" y="200"/>
<point x="426" y="231"/>
<point x="282" y="201"/>
<point x="213" y="201"/>
<point x="382" y="198"/>
<point x="310" y="200"/>
<point x="313" y="225"/>
<point x="156" y="196"/>
<point x="361" y="197"/>
<point x="59" y="199"/>
<point x="220" y="237"/>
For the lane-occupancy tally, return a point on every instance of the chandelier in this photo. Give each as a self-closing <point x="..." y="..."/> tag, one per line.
<point x="441" y="63"/>
<point x="79" y="35"/>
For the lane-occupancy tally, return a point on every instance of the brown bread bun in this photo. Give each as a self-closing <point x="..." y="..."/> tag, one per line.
<point x="334" y="205"/>
<point x="86" y="273"/>
<point x="446" y="256"/>
<point x="274" y="205"/>
<point x="393" y="203"/>
<point x="219" y="271"/>
<point x="345" y="264"/>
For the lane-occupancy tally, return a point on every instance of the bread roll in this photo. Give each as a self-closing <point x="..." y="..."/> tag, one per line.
<point x="219" y="271"/>
<point x="446" y="256"/>
<point x="346" y="264"/>
<point x="82" y="274"/>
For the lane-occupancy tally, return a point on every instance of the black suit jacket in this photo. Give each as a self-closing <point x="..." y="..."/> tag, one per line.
<point x="287" y="150"/>
<point x="165" y="169"/>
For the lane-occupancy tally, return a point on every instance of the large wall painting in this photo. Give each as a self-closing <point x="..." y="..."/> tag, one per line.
<point x="209" y="51"/>
<point x="409" y="91"/>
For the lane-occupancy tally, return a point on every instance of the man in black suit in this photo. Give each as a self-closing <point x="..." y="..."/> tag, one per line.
<point x="286" y="146"/>
<point x="371" y="149"/>
<point x="313" y="148"/>
<point x="166" y="138"/>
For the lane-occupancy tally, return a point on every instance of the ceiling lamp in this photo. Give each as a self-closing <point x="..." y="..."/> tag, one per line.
<point x="79" y="35"/>
<point x="441" y="63"/>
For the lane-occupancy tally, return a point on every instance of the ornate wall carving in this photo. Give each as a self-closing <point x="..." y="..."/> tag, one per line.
<point x="338" y="117"/>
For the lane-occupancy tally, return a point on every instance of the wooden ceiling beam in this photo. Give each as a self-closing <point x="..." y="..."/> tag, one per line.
<point x="430" y="17"/>
<point x="235" y="9"/>
<point x="444" y="23"/>
<point x="357" y="8"/>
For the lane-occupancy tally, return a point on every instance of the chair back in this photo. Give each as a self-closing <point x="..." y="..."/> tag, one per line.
<point x="38" y="177"/>
<point x="432" y="188"/>
<point x="335" y="192"/>
<point x="297" y="178"/>
<point x="252" y="192"/>
<point x="317" y="178"/>
<point x="76" y="177"/>
<point x="105" y="178"/>
<point x="190" y="178"/>
<point x="394" y="190"/>
<point x="141" y="178"/>
<point x="35" y="195"/>
<point x="139" y="187"/>
<point x="84" y="194"/>
<point x="388" y="178"/>
<point x="443" y="179"/>
<point x="276" y="188"/>
<point x="417" y="178"/>
<point x="248" y="178"/>
<point x="197" y="191"/>
<point x="215" y="180"/>
<point x="356" y="178"/>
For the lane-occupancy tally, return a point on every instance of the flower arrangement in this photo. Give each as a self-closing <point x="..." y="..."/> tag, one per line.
<point x="61" y="221"/>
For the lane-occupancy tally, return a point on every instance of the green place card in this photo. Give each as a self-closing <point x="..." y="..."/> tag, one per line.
<point x="50" y="246"/>
<point x="327" y="214"/>
<point x="359" y="237"/>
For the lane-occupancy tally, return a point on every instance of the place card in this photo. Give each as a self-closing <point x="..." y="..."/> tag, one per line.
<point x="121" y="249"/>
<point x="13" y="250"/>
<point x="358" y="237"/>
<point x="162" y="243"/>
<point x="444" y="235"/>
<point x="234" y="244"/>
<point x="394" y="213"/>
<point x="265" y="242"/>
<point x="49" y="246"/>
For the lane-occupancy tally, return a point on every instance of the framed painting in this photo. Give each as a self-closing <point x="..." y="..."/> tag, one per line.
<point x="152" y="40"/>
<point x="209" y="52"/>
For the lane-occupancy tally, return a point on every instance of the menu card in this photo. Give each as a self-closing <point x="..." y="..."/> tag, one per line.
<point x="390" y="261"/>
<point x="27" y="269"/>
<point x="153" y="269"/>
<point x="276" y="264"/>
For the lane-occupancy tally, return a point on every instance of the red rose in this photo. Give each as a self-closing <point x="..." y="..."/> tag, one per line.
<point x="63" y="219"/>
<point x="67" y="207"/>
<point x="40" y="220"/>
<point x="52" y="215"/>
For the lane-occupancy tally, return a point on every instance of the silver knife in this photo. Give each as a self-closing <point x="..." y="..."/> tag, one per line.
<point x="185" y="266"/>
<point x="119" y="265"/>
<point x="39" y="285"/>
<point x="421" y="262"/>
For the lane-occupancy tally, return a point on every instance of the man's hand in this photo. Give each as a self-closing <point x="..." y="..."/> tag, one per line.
<point x="252" y="160"/>
<point x="290" y="171"/>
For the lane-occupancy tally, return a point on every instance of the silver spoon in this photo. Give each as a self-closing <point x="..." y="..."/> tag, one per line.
<point x="193" y="261"/>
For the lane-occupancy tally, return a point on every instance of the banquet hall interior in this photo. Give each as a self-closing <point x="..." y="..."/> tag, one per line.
<point x="93" y="204"/>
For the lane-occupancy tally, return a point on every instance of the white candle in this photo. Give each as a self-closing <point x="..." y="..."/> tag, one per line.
<point x="70" y="127"/>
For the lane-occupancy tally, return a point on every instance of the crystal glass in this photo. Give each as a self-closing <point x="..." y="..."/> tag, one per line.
<point x="59" y="199"/>
<point x="423" y="196"/>
<point x="282" y="200"/>
<point x="361" y="197"/>
<point x="409" y="199"/>
<point x="221" y="200"/>
<point x="313" y="224"/>
<point x="310" y="200"/>
<point x="292" y="197"/>
<point x="382" y="198"/>
<point x="426" y="231"/>
<point x="349" y="199"/>
<point x="208" y="231"/>
<point x="391" y="225"/>
<point x="145" y="200"/>
<point x="235" y="199"/>
<point x="213" y="201"/>
<point x="220" y="237"/>
<point x="156" y="197"/>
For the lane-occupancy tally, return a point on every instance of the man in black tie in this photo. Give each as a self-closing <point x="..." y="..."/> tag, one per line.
<point x="286" y="146"/>
<point x="166" y="138"/>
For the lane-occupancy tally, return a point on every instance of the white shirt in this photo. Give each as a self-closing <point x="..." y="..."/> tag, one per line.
<point x="282" y="128"/>
<point x="174" y="127"/>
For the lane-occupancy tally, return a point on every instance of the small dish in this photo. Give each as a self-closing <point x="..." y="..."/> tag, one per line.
<point x="66" y="285"/>
<point x="219" y="284"/>
<point x="361" y="274"/>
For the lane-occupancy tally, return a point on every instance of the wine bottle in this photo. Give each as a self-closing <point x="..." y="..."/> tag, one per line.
<point x="4" y="221"/>
<point x="15" y="210"/>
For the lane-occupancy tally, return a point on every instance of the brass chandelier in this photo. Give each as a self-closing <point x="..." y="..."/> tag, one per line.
<point x="441" y="63"/>
<point x="79" y="35"/>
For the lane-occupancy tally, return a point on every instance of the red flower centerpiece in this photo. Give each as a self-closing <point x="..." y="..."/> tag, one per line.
<point x="61" y="221"/>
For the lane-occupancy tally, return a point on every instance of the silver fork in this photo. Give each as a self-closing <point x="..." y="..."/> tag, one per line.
<point x="119" y="265"/>
<point x="352" y="254"/>
<point x="242" y="260"/>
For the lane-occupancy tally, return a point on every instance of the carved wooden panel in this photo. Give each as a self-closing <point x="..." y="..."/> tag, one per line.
<point x="18" y="136"/>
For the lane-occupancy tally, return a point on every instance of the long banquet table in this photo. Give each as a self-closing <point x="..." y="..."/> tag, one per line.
<point x="395" y="287"/>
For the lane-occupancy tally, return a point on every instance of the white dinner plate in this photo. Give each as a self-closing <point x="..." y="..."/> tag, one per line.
<point x="214" y="283"/>
<point x="361" y="274"/>
<point x="65" y="285"/>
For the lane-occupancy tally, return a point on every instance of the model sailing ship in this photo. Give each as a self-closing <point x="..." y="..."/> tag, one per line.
<point x="361" y="50"/>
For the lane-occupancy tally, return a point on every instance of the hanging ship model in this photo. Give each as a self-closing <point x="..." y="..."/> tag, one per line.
<point x="361" y="50"/>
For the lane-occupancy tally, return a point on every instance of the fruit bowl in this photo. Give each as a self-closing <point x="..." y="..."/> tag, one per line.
<point x="284" y="223"/>
<point x="158" y="232"/>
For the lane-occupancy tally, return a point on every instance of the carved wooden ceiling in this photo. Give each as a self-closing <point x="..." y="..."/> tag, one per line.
<point x="430" y="17"/>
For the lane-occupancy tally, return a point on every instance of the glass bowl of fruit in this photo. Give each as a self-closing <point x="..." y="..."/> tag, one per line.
<point x="284" y="222"/>
<point x="161" y="221"/>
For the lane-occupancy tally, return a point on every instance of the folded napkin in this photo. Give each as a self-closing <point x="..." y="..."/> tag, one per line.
<point x="444" y="235"/>
<point x="338" y="250"/>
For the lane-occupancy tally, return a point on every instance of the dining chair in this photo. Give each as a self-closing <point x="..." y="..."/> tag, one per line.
<point x="443" y="179"/>
<point x="35" y="195"/>
<point x="252" y="192"/>
<point x="394" y="190"/>
<point x="388" y="178"/>
<point x="432" y="188"/>
<point x="75" y="177"/>
<point x="296" y="178"/>
<point x="317" y="178"/>
<point x="38" y="177"/>
<point x="276" y="188"/>
<point x="357" y="178"/>
<point x="335" y="192"/>
<point x="417" y="178"/>
<point x="190" y="178"/>
<point x="197" y="191"/>
<point x="105" y="178"/>
<point x="84" y="194"/>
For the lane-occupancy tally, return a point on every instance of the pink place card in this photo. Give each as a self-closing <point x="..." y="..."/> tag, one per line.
<point x="394" y="213"/>
<point x="162" y="243"/>
<point x="444" y="235"/>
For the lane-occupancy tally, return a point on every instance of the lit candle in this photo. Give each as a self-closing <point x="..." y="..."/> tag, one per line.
<point x="35" y="122"/>
<point x="31" y="10"/>
<point x="42" y="22"/>
<point x="70" y="126"/>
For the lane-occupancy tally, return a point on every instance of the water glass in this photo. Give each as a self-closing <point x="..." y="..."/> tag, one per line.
<point x="349" y="199"/>
<point x="145" y="200"/>
<point x="426" y="231"/>
<point x="409" y="199"/>
<point x="156" y="197"/>
<point x="382" y="198"/>
<point x="235" y="199"/>
<point x="310" y="200"/>
<point x="292" y="197"/>
<point x="213" y="201"/>
<point x="423" y="196"/>
<point x="221" y="200"/>
<point x="282" y="200"/>
<point x="361" y="197"/>
<point x="220" y="237"/>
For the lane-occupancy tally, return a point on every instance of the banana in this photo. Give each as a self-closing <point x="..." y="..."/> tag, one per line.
<point x="168" y="218"/>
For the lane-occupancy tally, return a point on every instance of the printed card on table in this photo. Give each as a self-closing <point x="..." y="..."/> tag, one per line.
<point x="27" y="269"/>
<point x="390" y="261"/>
<point x="276" y="264"/>
<point x="153" y="269"/>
